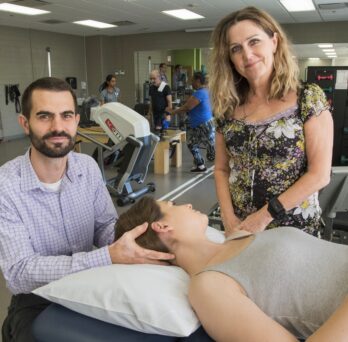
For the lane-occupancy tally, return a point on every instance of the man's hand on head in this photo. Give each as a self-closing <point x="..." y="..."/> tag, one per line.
<point x="126" y="251"/>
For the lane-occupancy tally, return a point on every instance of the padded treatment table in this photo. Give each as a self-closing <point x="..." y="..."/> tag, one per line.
<point x="57" y="324"/>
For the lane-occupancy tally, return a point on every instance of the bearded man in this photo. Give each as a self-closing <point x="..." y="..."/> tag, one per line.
<point x="54" y="208"/>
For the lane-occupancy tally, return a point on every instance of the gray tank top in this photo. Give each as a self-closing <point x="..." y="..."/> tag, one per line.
<point x="295" y="278"/>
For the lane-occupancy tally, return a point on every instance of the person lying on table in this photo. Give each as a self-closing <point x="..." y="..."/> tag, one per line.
<point x="277" y="285"/>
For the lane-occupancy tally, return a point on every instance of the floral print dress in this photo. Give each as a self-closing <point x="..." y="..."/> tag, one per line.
<point x="267" y="157"/>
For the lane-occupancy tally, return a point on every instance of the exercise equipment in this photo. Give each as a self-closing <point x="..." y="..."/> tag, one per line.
<point x="85" y="111"/>
<point x="333" y="199"/>
<point x="132" y="141"/>
<point x="344" y="160"/>
<point x="325" y="77"/>
<point x="214" y="217"/>
<point x="328" y="89"/>
<point x="337" y="95"/>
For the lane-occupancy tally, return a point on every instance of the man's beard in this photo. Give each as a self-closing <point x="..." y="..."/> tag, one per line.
<point x="59" y="150"/>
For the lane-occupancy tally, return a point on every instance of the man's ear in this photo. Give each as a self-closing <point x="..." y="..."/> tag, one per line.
<point x="161" y="227"/>
<point x="77" y="118"/>
<point x="23" y="121"/>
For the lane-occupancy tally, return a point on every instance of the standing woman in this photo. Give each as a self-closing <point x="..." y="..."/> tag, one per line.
<point x="108" y="90"/>
<point x="274" y="136"/>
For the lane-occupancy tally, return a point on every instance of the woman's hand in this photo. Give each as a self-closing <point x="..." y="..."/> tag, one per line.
<point x="256" y="222"/>
<point x="231" y="224"/>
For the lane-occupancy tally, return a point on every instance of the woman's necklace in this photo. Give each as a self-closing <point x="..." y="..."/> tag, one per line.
<point x="245" y="115"/>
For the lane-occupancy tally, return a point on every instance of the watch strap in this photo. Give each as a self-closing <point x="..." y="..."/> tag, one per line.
<point x="275" y="208"/>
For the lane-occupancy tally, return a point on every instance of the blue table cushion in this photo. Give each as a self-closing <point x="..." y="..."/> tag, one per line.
<point x="57" y="324"/>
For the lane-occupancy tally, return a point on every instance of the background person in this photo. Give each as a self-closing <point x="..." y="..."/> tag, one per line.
<point x="201" y="131"/>
<point x="108" y="90"/>
<point x="54" y="207"/>
<point x="178" y="77"/>
<point x="274" y="298"/>
<point x="162" y="71"/>
<point x="274" y="138"/>
<point x="161" y="101"/>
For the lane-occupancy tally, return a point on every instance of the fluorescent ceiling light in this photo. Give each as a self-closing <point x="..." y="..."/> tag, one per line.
<point x="183" y="14"/>
<point x="298" y="5"/>
<point x="314" y="58"/>
<point x="94" y="23"/>
<point x="329" y="50"/>
<point x="324" y="46"/>
<point x="21" y="9"/>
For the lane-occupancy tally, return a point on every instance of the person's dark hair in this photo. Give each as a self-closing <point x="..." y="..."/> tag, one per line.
<point x="199" y="76"/>
<point x="145" y="210"/>
<point x="177" y="66"/>
<point x="162" y="65"/>
<point x="105" y="83"/>
<point x="45" y="83"/>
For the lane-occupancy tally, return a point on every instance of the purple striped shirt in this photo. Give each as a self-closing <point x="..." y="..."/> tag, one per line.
<point x="46" y="235"/>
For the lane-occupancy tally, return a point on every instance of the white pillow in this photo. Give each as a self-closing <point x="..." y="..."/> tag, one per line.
<point x="147" y="298"/>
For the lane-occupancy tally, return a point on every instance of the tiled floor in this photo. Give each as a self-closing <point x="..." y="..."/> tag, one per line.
<point x="178" y="184"/>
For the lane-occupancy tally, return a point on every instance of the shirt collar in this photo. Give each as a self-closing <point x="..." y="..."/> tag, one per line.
<point x="74" y="167"/>
<point x="30" y="180"/>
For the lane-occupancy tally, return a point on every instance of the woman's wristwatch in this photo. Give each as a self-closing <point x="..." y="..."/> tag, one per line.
<point x="275" y="208"/>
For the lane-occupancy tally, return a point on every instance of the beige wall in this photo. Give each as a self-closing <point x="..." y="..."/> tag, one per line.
<point x="23" y="58"/>
<point x="340" y="61"/>
<point x="328" y="32"/>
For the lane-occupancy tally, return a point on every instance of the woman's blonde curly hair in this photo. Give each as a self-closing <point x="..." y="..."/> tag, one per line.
<point x="228" y="89"/>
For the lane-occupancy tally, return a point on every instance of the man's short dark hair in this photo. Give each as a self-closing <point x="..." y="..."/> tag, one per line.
<point x="162" y="65"/>
<point x="45" y="83"/>
<point x="199" y="76"/>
